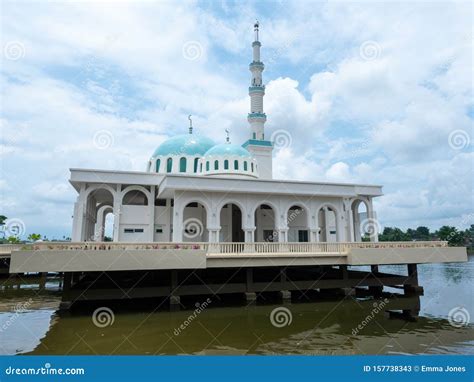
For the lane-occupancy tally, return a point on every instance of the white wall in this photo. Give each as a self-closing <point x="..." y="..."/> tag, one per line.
<point x="134" y="217"/>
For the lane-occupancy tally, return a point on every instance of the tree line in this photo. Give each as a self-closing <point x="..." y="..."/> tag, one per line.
<point x="454" y="237"/>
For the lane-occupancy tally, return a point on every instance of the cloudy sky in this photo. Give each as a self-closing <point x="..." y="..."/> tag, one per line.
<point x="377" y="93"/>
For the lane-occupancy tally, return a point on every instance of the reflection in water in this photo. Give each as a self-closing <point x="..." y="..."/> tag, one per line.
<point x="325" y="327"/>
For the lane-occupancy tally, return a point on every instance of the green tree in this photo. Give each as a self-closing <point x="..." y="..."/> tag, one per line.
<point x="394" y="234"/>
<point x="422" y="233"/>
<point x="13" y="240"/>
<point x="451" y="235"/>
<point x="34" y="237"/>
<point x="469" y="236"/>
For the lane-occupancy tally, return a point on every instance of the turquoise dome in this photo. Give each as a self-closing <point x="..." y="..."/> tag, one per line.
<point x="186" y="144"/>
<point x="228" y="149"/>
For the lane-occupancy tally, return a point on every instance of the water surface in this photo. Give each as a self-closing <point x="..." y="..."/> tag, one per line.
<point x="30" y="322"/>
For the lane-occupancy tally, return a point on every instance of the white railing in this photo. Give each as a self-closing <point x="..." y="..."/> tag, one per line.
<point x="340" y="247"/>
<point x="223" y="248"/>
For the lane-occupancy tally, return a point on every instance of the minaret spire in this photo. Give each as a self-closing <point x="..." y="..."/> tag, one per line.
<point x="256" y="117"/>
<point x="260" y="148"/>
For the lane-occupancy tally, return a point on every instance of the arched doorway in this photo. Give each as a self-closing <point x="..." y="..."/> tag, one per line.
<point x="327" y="218"/>
<point x="265" y="223"/>
<point x="297" y="221"/>
<point x="98" y="201"/>
<point x="104" y="229"/>
<point x="231" y="224"/>
<point x="360" y="213"/>
<point x="194" y="223"/>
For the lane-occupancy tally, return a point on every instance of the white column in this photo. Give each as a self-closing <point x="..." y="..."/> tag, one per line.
<point x="249" y="235"/>
<point x="339" y="227"/>
<point x="117" y="212"/>
<point x="357" y="234"/>
<point x="78" y="216"/>
<point x="325" y="226"/>
<point x="151" y="209"/>
<point x="313" y="227"/>
<point x="100" y="223"/>
<point x="283" y="235"/>
<point x="374" y="223"/>
<point x="214" y="234"/>
<point x="351" y="225"/>
<point x="177" y="221"/>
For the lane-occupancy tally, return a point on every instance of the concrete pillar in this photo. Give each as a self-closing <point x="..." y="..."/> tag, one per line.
<point x="357" y="234"/>
<point x="177" y="221"/>
<point x="375" y="290"/>
<point x="117" y="212"/>
<point x="214" y="234"/>
<point x="284" y="294"/>
<point x="78" y="217"/>
<point x="175" y="300"/>
<point x="151" y="208"/>
<point x="371" y="215"/>
<point x="351" y="225"/>
<point x="412" y="288"/>
<point x="326" y="224"/>
<point x="250" y="296"/>
<point x="249" y="235"/>
<point x="313" y="227"/>
<point x="339" y="227"/>
<point x="283" y="235"/>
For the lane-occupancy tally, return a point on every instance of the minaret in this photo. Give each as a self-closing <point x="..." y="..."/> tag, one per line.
<point x="257" y="145"/>
<point x="257" y="117"/>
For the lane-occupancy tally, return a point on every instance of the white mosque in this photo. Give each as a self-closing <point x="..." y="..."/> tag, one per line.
<point x="195" y="190"/>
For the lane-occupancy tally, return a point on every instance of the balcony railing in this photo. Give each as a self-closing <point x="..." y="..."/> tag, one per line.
<point x="224" y="248"/>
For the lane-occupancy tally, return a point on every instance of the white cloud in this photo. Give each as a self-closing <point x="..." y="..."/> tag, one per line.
<point x="120" y="68"/>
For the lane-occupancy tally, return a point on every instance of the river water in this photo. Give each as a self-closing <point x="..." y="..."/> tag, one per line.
<point x="30" y="322"/>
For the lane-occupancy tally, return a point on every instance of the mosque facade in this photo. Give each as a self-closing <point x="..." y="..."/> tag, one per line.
<point x="197" y="190"/>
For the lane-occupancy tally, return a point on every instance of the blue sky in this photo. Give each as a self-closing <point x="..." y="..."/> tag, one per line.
<point x="363" y="92"/>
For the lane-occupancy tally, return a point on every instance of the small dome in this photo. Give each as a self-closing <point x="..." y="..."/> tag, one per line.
<point x="228" y="149"/>
<point x="228" y="160"/>
<point x="185" y="144"/>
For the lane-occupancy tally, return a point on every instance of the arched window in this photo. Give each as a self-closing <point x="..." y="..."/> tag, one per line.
<point x="216" y="165"/>
<point x="254" y="136"/>
<point x="246" y="168"/>
<point x="207" y="166"/>
<point x="169" y="165"/>
<point x="226" y="164"/>
<point x="236" y="164"/>
<point x="196" y="161"/>
<point x="158" y="162"/>
<point x="201" y="167"/>
<point x="182" y="164"/>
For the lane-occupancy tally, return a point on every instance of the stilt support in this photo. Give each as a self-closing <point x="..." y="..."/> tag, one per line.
<point x="285" y="295"/>
<point x="251" y="298"/>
